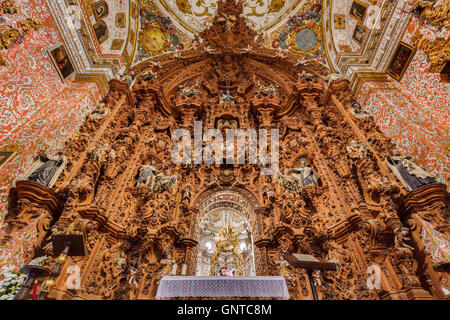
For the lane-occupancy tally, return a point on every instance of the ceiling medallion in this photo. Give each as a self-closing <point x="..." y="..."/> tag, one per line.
<point x="306" y="38"/>
<point x="153" y="40"/>
<point x="302" y="32"/>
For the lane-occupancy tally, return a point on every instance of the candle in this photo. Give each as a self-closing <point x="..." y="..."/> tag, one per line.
<point x="35" y="285"/>
<point x="174" y="269"/>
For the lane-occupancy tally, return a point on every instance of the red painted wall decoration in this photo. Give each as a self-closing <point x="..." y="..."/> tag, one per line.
<point x="415" y="111"/>
<point x="35" y="107"/>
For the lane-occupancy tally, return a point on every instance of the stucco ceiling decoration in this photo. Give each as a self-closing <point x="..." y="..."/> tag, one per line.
<point x="294" y="25"/>
<point x="361" y="36"/>
<point x="192" y="16"/>
<point x="112" y="26"/>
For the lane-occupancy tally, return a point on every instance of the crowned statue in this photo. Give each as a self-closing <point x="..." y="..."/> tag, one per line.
<point x="227" y="243"/>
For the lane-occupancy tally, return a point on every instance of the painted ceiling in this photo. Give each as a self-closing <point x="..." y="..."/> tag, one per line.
<point x="348" y="36"/>
<point x="192" y="16"/>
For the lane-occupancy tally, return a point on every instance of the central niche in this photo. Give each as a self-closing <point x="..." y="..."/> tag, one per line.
<point x="225" y="216"/>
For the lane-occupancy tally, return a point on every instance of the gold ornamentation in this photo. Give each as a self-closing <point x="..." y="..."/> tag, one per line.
<point x="88" y="7"/>
<point x="7" y="153"/>
<point x="120" y="20"/>
<point x="276" y="5"/>
<point x="184" y="6"/>
<point x="9" y="35"/>
<point x="227" y="242"/>
<point x="339" y="21"/>
<point x="259" y="3"/>
<point x="117" y="44"/>
<point x="433" y="12"/>
<point x="133" y="10"/>
<point x="153" y="40"/>
<point x="438" y="50"/>
<point x="70" y="229"/>
<point x="100" y="9"/>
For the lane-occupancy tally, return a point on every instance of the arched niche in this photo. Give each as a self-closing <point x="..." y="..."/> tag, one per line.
<point x="218" y="208"/>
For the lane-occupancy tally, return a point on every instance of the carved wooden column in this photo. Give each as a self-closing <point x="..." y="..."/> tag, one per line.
<point x="428" y="204"/>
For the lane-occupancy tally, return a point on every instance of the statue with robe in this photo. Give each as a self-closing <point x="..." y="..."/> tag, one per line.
<point x="305" y="174"/>
<point x="164" y="182"/>
<point x="226" y="97"/>
<point x="408" y="172"/>
<point x="300" y="177"/>
<point x="46" y="169"/>
<point x="149" y="176"/>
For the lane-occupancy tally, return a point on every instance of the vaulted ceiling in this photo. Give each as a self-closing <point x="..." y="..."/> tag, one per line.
<point x="352" y="37"/>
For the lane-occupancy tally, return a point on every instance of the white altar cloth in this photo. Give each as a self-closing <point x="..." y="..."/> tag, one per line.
<point x="220" y="286"/>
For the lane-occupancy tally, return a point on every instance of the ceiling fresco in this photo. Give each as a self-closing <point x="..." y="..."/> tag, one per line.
<point x="286" y="25"/>
<point x="347" y="36"/>
<point x="355" y="38"/>
<point x="194" y="15"/>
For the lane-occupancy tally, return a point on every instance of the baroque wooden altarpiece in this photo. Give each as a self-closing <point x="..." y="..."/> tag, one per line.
<point x="358" y="214"/>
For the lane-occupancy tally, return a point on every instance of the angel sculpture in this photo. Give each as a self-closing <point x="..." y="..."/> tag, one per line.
<point x="301" y="62"/>
<point x="226" y="97"/>
<point x="177" y="55"/>
<point x="332" y="77"/>
<point x="306" y="76"/>
<point x="189" y="91"/>
<point x="280" y="54"/>
<point x="156" y="64"/>
<point x="149" y="75"/>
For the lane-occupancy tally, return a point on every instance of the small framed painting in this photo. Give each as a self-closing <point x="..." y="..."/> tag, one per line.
<point x="400" y="60"/>
<point x="358" y="10"/>
<point x="61" y="60"/>
<point x="7" y="153"/>
<point x="359" y="33"/>
<point x="101" y="31"/>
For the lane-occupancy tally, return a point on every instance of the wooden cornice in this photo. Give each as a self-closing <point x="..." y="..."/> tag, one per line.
<point x="425" y="196"/>
<point x="38" y="195"/>
<point x="123" y="87"/>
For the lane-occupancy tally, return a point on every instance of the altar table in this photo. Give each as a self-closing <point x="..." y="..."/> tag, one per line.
<point x="220" y="286"/>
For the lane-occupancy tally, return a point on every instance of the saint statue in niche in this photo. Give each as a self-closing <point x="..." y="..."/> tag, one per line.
<point x="300" y="177"/>
<point x="46" y="169"/>
<point x="166" y="266"/>
<point x="149" y="176"/>
<point x="408" y="172"/>
<point x="226" y="97"/>
<point x="306" y="174"/>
